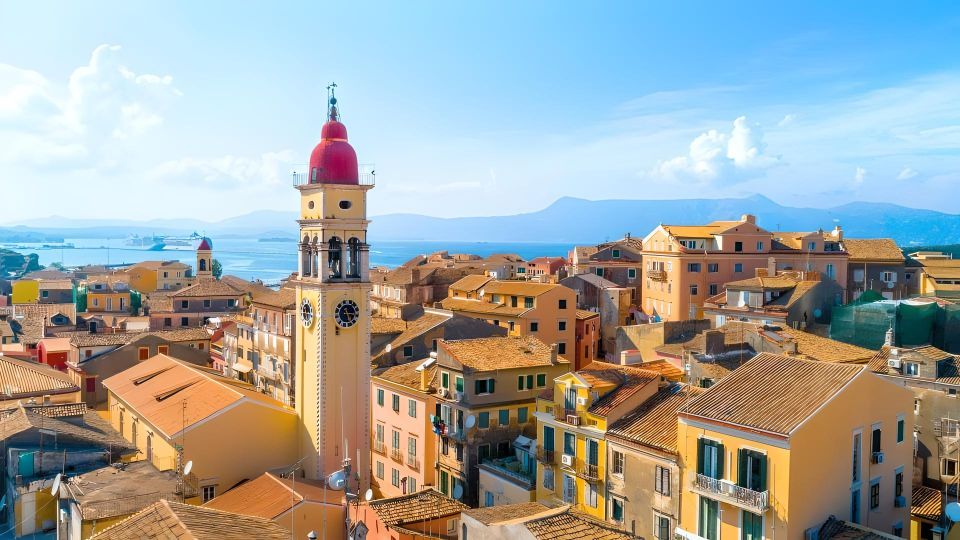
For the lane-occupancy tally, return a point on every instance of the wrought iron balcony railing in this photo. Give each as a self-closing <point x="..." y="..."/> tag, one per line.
<point x="727" y="491"/>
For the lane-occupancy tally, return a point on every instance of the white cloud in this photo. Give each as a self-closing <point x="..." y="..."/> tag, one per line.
<point x="721" y="157"/>
<point x="268" y="169"/>
<point x="787" y="120"/>
<point x="84" y="122"/>
<point x="859" y="175"/>
<point x="907" y="173"/>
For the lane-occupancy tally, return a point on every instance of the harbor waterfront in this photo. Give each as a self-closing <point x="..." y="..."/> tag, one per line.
<point x="269" y="261"/>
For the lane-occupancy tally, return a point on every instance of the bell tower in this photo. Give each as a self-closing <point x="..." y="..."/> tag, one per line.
<point x="332" y="357"/>
<point x="205" y="258"/>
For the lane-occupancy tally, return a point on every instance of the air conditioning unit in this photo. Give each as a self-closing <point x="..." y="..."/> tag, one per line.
<point x="444" y="392"/>
<point x="566" y="459"/>
<point x="895" y="363"/>
<point x="582" y="401"/>
<point x="900" y="502"/>
<point x="573" y="420"/>
<point x="878" y="457"/>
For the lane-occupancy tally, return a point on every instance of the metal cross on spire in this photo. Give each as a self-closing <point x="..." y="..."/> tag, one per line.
<point x="332" y="100"/>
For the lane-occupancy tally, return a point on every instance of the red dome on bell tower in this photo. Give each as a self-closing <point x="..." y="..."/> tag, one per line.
<point x="333" y="160"/>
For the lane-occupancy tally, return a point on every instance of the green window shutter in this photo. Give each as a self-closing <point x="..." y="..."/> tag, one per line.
<point x="490" y="385"/>
<point x="700" y="456"/>
<point x="742" y="472"/>
<point x="548" y="438"/>
<point x="720" y="456"/>
<point x="529" y="382"/>
<point x="520" y="382"/>
<point x="763" y="473"/>
<point x="476" y="387"/>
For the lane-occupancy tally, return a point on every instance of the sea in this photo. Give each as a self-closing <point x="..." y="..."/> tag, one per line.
<point x="268" y="261"/>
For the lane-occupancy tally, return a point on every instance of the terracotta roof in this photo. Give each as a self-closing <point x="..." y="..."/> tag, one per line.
<point x="156" y="265"/>
<point x="408" y="374"/>
<point x="471" y="283"/>
<point x="480" y="306"/>
<point x="114" y="491"/>
<point x="283" y="299"/>
<point x="122" y="338"/>
<point x="628" y="381"/>
<point x="22" y="379"/>
<point x="824" y="349"/>
<point x="56" y="344"/>
<point x="207" y="287"/>
<point x="595" y="280"/>
<point x="948" y="365"/>
<point x="70" y="420"/>
<point x="583" y="314"/>
<point x="253" y="288"/>
<point x="574" y="526"/>
<point x="734" y="337"/>
<point x="662" y="367"/>
<point x="584" y="252"/>
<point x="505" y="512"/>
<point x="269" y="496"/>
<point x="170" y="520"/>
<point x="927" y="503"/>
<point x="160" y="301"/>
<point x="419" y="506"/>
<point x="519" y="288"/>
<point x="872" y="249"/>
<point x="654" y="424"/>
<point x="417" y="327"/>
<point x="146" y="386"/>
<point x="385" y="325"/>
<point x="500" y="352"/>
<point x="772" y="393"/>
<point x="836" y="529"/>
<point x="762" y="283"/>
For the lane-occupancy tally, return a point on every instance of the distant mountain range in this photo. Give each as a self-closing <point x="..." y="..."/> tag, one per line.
<point x="568" y="220"/>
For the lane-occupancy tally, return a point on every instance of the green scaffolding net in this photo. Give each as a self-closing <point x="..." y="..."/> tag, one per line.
<point x="865" y="323"/>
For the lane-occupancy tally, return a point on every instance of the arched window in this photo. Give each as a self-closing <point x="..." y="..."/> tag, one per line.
<point x="315" y="257"/>
<point x="334" y="257"/>
<point x="203" y="265"/>
<point x="353" y="266"/>
<point x="305" y="257"/>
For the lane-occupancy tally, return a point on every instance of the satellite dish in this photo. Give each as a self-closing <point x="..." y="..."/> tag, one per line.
<point x="337" y="480"/>
<point x="470" y="422"/>
<point x="55" y="488"/>
<point x="188" y="467"/>
<point x="389" y="347"/>
<point x="457" y="492"/>
<point x="368" y="495"/>
<point x="952" y="511"/>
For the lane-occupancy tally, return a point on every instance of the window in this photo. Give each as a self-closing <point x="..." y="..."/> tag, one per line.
<point x="751" y="470"/>
<point x="617" y="463"/>
<point x="714" y="289"/>
<point x="520" y="382"/>
<point x="412" y="408"/>
<point x="569" y="444"/>
<point x="562" y="304"/>
<point x="898" y="529"/>
<point x="483" y="421"/>
<point x="600" y="272"/>
<point x="528" y="302"/>
<point x="209" y="492"/>
<point x="534" y="326"/>
<point x="874" y="494"/>
<point x="710" y="458"/>
<point x="561" y="325"/>
<point x="857" y="443"/>
<point x="709" y="516"/>
<point x="483" y="386"/>
<point x="661" y="483"/>
<point x="395" y="440"/>
<point x="380" y="470"/>
<point x="503" y="417"/>
<point x="948" y="467"/>
<point x="380" y="397"/>
<point x="548" y="438"/>
<point x="458" y="450"/>
<point x="459" y="384"/>
<point x="631" y="273"/>
<point x="206" y="303"/>
<point x="738" y="246"/>
<point x="561" y="348"/>
<point x="541" y="380"/>
<point x="831" y="273"/>
<point x="900" y="428"/>
<point x="445" y="380"/>
<point x="184" y="304"/>
<point x="911" y="368"/>
<point x="693" y="267"/>
<point x="693" y="290"/>
<point x="617" y="510"/>
<point x="396" y="402"/>
<point x="889" y="277"/>
<point x="713" y="268"/>
<point x="184" y="321"/>
<point x="855" y="506"/>
<point x="759" y="245"/>
<point x="407" y="351"/>
<point x="590" y="496"/>
<point x="45" y="294"/>
<point x="898" y="483"/>
<point x="812" y="246"/>
<point x="143" y="353"/>
<point x="875" y="441"/>
<point x="411" y="484"/>
<point x="916" y="406"/>
<point x="751" y="526"/>
<point x="738" y="267"/>
<point x="661" y="527"/>
<point x="395" y="477"/>
<point x="522" y="415"/>
<point x="616" y="253"/>
<point x="487" y="498"/>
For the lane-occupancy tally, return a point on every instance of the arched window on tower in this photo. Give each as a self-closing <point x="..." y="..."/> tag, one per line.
<point x="335" y="257"/>
<point x="203" y="265"/>
<point x="315" y="257"/>
<point x="305" y="257"/>
<point x="353" y="262"/>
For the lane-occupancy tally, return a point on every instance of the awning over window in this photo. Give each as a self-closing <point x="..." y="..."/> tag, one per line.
<point x="242" y="366"/>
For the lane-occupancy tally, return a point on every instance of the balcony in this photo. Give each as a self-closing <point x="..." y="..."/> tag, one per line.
<point x="567" y="416"/>
<point x="396" y="455"/>
<point x="512" y="469"/>
<point x="590" y="473"/>
<point x="413" y="462"/>
<point x="367" y="176"/>
<point x="547" y="457"/>
<point x="656" y="275"/>
<point x="380" y="447"/>
<point x="728" y="492"/>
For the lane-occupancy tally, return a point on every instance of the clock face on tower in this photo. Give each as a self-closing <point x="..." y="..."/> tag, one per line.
<point x="306" y="313"/>
<point x="346" y="313"/>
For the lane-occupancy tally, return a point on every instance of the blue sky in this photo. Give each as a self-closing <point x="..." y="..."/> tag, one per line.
<point x="130" y="110"/>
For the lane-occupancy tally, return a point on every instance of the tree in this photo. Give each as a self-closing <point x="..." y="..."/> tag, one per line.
<point x="217" y="269"/>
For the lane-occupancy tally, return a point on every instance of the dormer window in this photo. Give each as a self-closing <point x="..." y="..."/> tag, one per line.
<point x="616" y="254"/>
<point x="911" y="368"/>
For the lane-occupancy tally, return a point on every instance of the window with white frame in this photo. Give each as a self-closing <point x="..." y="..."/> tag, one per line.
<point x="590" y="496"/>
<point x="661" y="527"/>
<point x="617" y="463"/>
<point x="662" y="481"/>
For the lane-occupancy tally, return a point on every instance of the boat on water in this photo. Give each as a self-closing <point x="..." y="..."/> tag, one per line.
<point x="156" y="242"/>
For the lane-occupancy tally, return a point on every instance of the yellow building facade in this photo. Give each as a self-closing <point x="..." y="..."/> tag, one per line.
<point x="572" y="425"/>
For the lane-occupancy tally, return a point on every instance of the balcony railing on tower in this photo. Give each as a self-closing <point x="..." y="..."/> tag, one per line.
<point x="300" y="175"/>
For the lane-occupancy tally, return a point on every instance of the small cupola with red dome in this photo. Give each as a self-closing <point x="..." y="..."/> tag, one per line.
<point x="333" y="160"/>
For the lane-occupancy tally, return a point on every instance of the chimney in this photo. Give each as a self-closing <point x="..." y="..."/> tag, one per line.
<point x="771" y="266"/>
<point x="414" y="275"/>
<point x="424" y="379"/>
<point x="837" y="232"/>
<point x="714" y="341"/>
<point x="553" y="354"/>
<point x="748" y="218"/>
<point x="888" y="338"/>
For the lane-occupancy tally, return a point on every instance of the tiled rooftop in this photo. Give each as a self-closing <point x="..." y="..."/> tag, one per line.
<point x="168" y="520"/>
<point x="872" y="250"/>
<point x="628" y="381"/>
<point x="207" y="287"/>
<point x="926" y="503"/>
<point x="268" y="496"/>
<point x="574" y="526"/>
<point x="501" y="352"/>
<point x="407" y="374"/>
<point x="419" y="506"/>
<point x="654" y="424"/>
<point x="505" y="512"/>
<point x="23" y="378"/>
